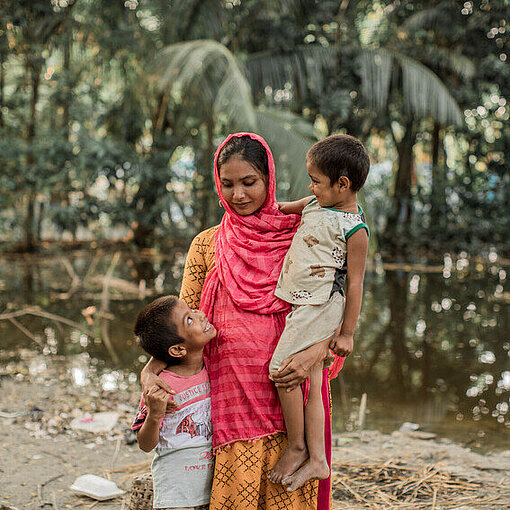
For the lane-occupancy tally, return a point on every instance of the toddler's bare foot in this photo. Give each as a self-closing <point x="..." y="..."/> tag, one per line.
<point x="288" y="463"/>
<point x="312" y="470"/>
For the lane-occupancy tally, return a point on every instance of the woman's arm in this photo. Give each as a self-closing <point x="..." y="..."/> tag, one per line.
<point x="296" y="369"/>
<point x="149" y="375"/>
<point x="199" y="261"/>
<point x="295" y="207"/>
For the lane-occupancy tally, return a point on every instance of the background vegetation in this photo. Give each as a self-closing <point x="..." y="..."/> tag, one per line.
<point x="111" y="112"/>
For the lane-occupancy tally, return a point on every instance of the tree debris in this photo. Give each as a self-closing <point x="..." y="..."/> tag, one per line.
<point x="394" y="485"/>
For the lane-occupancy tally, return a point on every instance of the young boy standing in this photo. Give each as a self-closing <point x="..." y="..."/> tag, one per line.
<point x="182" y="467"/>
<point x="331" y="241"/>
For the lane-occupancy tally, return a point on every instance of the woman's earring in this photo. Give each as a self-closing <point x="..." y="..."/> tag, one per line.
<point x="220" y="204"/>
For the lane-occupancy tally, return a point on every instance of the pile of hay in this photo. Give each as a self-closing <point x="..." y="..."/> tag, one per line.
<point x="396" y="486"/>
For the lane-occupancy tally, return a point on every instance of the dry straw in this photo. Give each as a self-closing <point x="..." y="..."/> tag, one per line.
<point x="379" y="486"/>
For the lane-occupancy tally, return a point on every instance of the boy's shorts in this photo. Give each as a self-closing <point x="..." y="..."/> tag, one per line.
<point x="307" y="325"/>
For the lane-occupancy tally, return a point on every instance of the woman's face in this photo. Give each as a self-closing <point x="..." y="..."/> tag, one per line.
<point x="242" y="186"/>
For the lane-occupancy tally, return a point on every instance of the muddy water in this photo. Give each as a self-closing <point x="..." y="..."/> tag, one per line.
<point x="433" y="345"/>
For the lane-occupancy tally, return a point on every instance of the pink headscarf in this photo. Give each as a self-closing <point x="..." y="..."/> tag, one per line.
<point x="250" y="249"/>
<point x="238" y="298"/>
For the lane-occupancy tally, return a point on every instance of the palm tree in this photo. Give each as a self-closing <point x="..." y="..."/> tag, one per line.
<point x="398" y="84"/>
<point x="208" y="75"/>
<point x="398" y="89"/>
<point x="388" y="78"/>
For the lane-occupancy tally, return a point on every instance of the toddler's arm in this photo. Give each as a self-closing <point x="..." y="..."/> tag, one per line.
<point x="295" y="207"/>
<point x="357" y="247"/>
<point x="156" y="401"/>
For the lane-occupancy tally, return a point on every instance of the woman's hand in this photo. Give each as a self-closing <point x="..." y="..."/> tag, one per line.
<point x="149" y="379"/>
<point x="296" y="369"/>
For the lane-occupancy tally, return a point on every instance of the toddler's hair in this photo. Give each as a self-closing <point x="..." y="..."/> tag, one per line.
<point x="341" y="155"/>
<point x="155" y="330"/>
<point x="246" y="149"/>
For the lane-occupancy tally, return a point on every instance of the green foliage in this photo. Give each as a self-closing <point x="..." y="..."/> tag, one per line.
<point x="111" y="112"/>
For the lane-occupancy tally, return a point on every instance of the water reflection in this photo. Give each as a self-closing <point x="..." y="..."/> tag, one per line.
<point x="432" y="348"/>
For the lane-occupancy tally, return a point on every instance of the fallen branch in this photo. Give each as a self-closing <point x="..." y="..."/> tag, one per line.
<point x="37" y="312"/>
<point x="105" y="308"/>
<point x="25" y="331"/>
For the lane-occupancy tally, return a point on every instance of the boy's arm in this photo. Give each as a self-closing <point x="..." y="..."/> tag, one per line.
<point x="295" y="207"/>
<point x="156" y="401"/>
<point x="357" y="247"/>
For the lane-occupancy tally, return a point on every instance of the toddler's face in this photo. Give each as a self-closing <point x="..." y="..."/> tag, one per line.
<point x="327" y="195"/>
<point x="192" y="325"/>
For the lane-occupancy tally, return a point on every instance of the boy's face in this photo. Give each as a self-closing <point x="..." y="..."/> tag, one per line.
<point x="327" y="194"/>
<point x="193" y="326"/>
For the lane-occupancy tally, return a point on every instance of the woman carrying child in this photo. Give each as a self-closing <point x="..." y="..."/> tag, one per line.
<point x="231" y="272"/>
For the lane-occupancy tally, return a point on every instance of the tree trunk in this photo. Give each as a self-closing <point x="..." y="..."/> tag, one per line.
<point x="403" y="183"/>
<point x="2" y="85"/>
<point x="40" y="217"/>
<point x="35" y="74"/>
<point x="207" y="183"/>
<point x="438" y="198"/>
<point x="66" y="105"/>
<point x="143" y="233"/>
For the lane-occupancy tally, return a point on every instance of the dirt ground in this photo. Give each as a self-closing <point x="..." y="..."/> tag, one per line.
<point x="41" y="457"/>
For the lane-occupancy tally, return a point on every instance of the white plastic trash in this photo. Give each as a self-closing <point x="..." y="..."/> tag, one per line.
<point x="408" y="426"/>
<point x="99" y="422"/>
<point x="96" y="487"/>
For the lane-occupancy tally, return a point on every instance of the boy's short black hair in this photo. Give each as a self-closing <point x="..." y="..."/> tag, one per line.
<point x="341" y="155"/>
<point x="155" y="330"/>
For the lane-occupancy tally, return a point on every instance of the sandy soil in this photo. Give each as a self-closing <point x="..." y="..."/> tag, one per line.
<point x="41" y="456"/>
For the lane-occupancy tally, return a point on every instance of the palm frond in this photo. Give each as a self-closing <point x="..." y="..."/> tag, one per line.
<point x="304" y="68"/>
<point x="375" y="71"/>
<point x="449" y="60"/>
<point x="425" y="95"/>
<point x="428" y="18"/>
<point x="207" y="68"/>
<point x="290" y="137"/>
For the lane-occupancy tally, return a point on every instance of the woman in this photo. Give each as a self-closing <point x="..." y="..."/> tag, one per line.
<point x="231" y="273"/>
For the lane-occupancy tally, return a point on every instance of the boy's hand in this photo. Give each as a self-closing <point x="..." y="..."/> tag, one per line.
<point x="342" y="344"/>
<point x="156" y="400"/>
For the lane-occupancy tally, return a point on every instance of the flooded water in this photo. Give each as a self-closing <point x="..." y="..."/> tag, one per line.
<point x="433" y="346"/>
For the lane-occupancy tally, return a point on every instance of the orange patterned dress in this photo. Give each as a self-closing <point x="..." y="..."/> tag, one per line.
<point x="240" y="475"/>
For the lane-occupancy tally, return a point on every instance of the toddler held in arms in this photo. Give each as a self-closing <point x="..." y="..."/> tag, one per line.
<point x="182" y="468"/>
<point x="331" y="241"/>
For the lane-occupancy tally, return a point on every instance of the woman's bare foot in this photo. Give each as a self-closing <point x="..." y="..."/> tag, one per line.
<point x="289" y="462"/>
<point x="312" y="470"/>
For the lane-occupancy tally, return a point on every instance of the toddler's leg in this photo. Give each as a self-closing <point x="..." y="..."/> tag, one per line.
<point x="317" y="466"/>
<point x="295" y="453"/>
